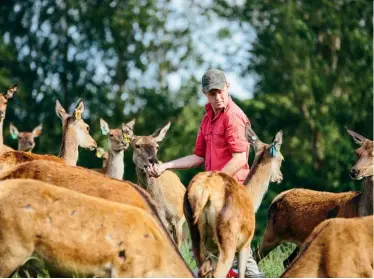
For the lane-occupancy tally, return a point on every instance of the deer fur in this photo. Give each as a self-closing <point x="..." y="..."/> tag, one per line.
<point x="4" y="98"/>
<point x="26" y="140"/>
<point x="75" y="132"/>
<point x="119" y="141"/>
<point x="221" y="212"/>
<point x="167" y="190"/>
<point x="336" y="248"/>
<point x="76" y="234"/>
<point x="294" y="214"/>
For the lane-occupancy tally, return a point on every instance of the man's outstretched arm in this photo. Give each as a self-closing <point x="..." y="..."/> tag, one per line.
<point x="187" y="162"/>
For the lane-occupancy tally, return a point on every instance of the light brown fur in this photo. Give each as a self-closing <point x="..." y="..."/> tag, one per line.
<point x="336" y="248"/>
<point x="224" y="210"/>
<point x="294" y="214"/>
<point x="167" y="190"/>
<point x="76" y="234"/>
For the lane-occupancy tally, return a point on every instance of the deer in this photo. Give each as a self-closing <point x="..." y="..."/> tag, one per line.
<point x="75" y="133"/>
<point x="26" y="140"/>
<point x="167" y="190"/>
<point x="336" y="248"/>
<point x="221" y="212"/>
<point x="4" y="98"/>
<point x="294" y="214"/>
<point x="119" y="141"/>
<point x="76" y="234"/>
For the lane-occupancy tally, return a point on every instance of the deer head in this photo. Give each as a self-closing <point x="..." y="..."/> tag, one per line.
<point x="365" y="155"/>
<point x="119" y="139"/>
<point x="267" y="152"/>
<point x="4" y="97"/>
<point x="146" y="147"/>
<point x="26" y="140"/>
<point x="75" y="130"/>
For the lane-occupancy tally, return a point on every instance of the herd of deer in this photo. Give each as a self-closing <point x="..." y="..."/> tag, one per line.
<point x="93" y="223"/>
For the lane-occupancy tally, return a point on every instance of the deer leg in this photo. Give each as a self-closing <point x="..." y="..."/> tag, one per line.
<point x="179" y="232"/>
<point x="194" y="231"/>
<point x="243" y="257"/>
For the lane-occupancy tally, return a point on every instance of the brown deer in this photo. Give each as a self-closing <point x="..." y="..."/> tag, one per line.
<point x="119" y="141"/>
<point x="75" y="132"/>
<point x="221" y="212"/>
<point x="26" y="140"/>
<point x="76" y="234"/>
<point x="4" y="98"/>
<point x="167" y="190"/>
<point x="336" y="248"/>
<point x="294" y="214"/>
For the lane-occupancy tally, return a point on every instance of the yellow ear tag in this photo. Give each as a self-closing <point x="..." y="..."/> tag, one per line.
<point x="99" y="152"/>
<point x="77" y="115"/>
<point x="126" y="138"/>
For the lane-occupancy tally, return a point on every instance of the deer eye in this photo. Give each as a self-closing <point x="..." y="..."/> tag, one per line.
<point x="137" y="146"/>
<point x="111" y="135"/>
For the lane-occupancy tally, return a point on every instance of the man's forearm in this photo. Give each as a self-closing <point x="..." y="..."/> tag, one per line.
<point x="190" y="161"/>
<point x="237" y="161"/>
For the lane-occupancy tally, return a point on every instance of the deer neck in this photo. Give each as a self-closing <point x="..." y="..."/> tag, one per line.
<point x="365" y="205"/>
<point x="144" y="179"/>
<point x="69" y="148"/>
<point x="115" y="167"/>
<point x="257" y="181"/>
<point x="1" y="132"/>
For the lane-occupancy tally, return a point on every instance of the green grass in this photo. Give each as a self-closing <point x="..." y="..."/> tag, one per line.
<point x="272" y="265"/>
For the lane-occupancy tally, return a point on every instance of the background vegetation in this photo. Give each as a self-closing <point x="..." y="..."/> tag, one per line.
<point x="311" y="60"/>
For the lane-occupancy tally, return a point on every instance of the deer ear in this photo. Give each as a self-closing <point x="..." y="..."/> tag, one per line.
<point x="104" y="127"/>
<point x="37" y="130"/>
<point x="131" y="124"/>
<point x="78" y="111"/>
<point x="160" y="134"/>
<point x="13" y="131"/>
<point x="11" y="91"/>
<point x="357" y="137"/>
<point x="60" y="111"/>
<point x="278" y="139"/>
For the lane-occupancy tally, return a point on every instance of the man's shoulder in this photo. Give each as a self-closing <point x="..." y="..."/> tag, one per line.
<point x="236" y="112"/>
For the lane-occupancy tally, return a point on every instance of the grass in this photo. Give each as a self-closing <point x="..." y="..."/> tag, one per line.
<point x="272" y="265"/>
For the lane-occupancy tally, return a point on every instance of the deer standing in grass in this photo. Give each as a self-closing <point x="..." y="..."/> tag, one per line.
<point x="119" y="141"/>
<point x="75" y="133"/>
<point x="4" y="98"/>
<point x="76" y="234"/>
<point x="167" y="190"/>
<point x="222" y="210"/>
<point x="294" y="214"/>
<point x="26" y="140"/>
<point x="336" y="248"/>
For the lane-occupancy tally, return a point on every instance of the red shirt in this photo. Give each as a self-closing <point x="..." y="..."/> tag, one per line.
<point x="220" y="136"/>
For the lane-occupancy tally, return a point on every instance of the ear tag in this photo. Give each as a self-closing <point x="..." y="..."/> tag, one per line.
<point x="14" y="135"/>
<point x="126" y="138"/>
<point x="253" y="137"/>
<point x="104" y="131"/>
<point x="99" y="152"/>
<point x="77" y="115"/>
<point x="273" y="150"/>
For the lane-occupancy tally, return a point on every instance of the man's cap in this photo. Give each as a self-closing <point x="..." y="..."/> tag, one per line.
<point x="213" y="79"/>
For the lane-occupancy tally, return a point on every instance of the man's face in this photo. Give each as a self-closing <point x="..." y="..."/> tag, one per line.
<point x="217" y="98"/>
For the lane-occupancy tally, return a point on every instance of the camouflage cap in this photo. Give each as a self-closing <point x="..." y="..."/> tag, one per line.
<point x="213" y="79"/>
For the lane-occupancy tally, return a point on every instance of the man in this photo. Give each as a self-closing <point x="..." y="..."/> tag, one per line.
<point x="220" y="143"/>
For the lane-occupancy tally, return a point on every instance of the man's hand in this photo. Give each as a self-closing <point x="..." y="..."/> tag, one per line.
<point x="155" y="170"/>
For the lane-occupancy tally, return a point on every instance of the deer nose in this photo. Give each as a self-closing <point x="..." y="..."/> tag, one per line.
<point x="353" y="173"/>
<point x="153" y="161"/>
<point x="1" y="113"/>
